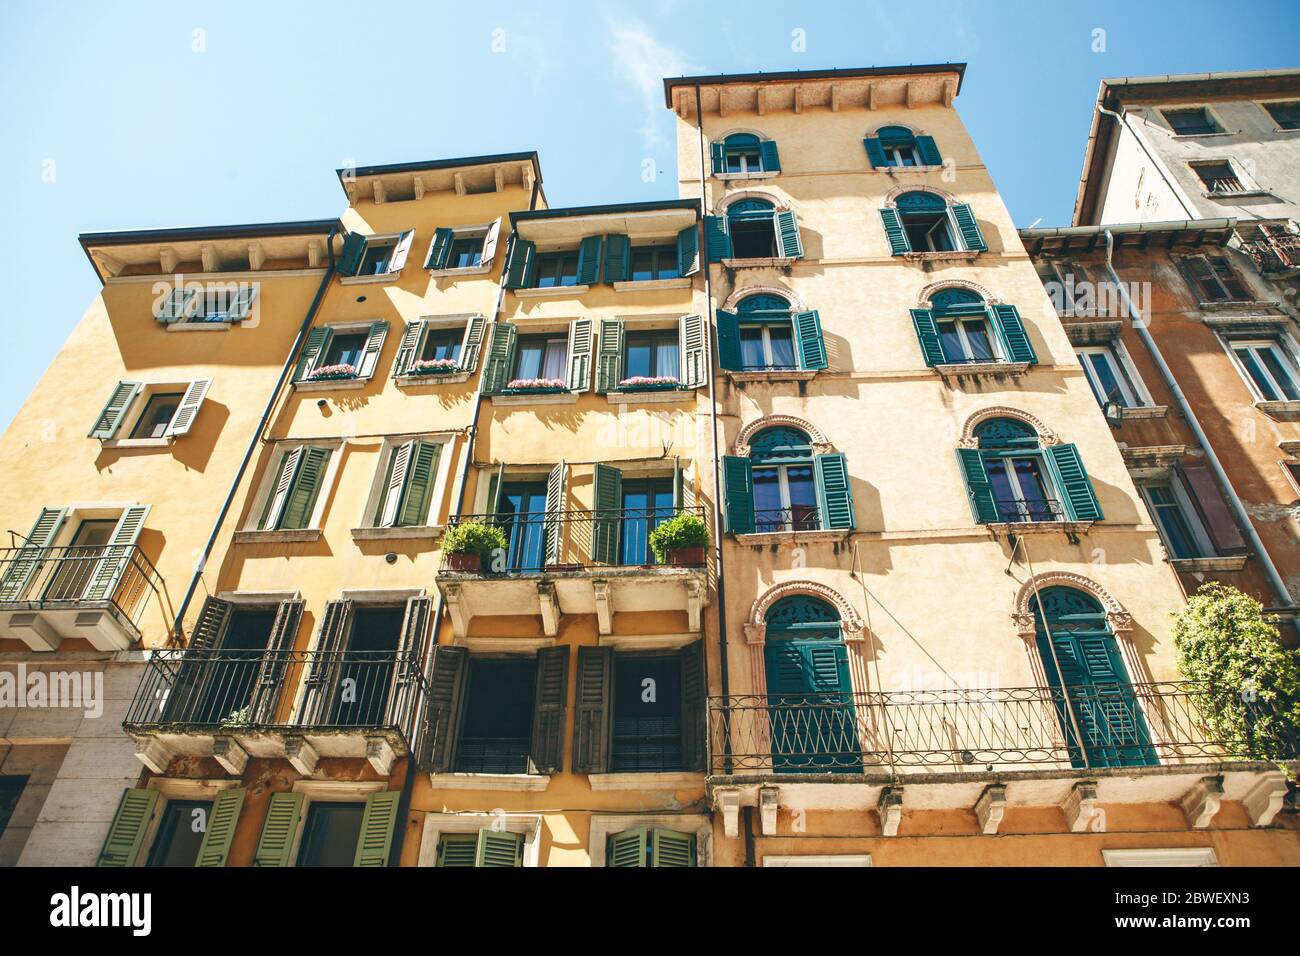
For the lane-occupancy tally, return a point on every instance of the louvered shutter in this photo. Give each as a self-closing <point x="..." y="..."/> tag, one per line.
<point x="377" y="825"/>
<point x="439" y="248"/>
<point x="400" y="252"/>
<point x="738" y="494"/>
<point x="320" y="692"/>
<point x="188" y="409"/>
<point x="809" y="341"/>
<point x="210" y="627"/>
<point x="499" y="848"/>
<point x="521" y="264"/>
<point x="126" y="833"/>
<point x="688" y="251"/>
<point x="457" y="850"/>
<point x="618" y="257"/>
<point x="490" y="243"/>
<point x="214" y="850"/>
<point x="729" y="355"/>
<point x="301" y="500"/>
<point x="279" y="494"/>
<point x="1012" y="330"/>
<point x="629" y="848"/>
<point x="31" y="554"/>
<point x="875" y="152"/>
<point x="472" y="344"/>
<point x="500" y="358"/>
<point x="177" y="305"/>
<point x="589" y="260"/>
<point x="788" y="240"/>
<point x="398" y="464"/>
<point x="694" y="360"/>
<point x="313" y="348"/>
<point x="971" y="237"/>
<point x="409" y="347"/>
<point x="718" y="156"/>
<point x="546" y="751"/>
<point x="375" y="337"/>
<point x="197" y="665"/>
<point x="591" y="731"/>
<point x="417" y="625"/>
<point x="694" y="706"/>
<point x="771" y="159"/>
<point x="717" y="238"/>
<point x="670" y="848"/>
<point x="553" y="522"/>
<point x="894" y="232"/>
<point x="446" y="689"/>
<point x="419" y="484"/>
<point x="927" y="152"/>
<point x="1077" y="494"/>
<point x="607" y="520"/>
<point x="278" y="830"/>
<point x="354" y="247"/>
<point x="609" y="358"/>
<point x="834" y="492"/>
<point x="241" y="303"/>
<point x="979" y="491"/>
<point x="268" y="691"/>
<point x="110" y="419"/>
<point x="580" y="347"/>
<point x="927" y="333"/>
<point x="118" y="554"/>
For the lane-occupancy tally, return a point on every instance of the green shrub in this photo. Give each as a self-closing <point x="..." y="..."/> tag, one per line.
<point x="473" y="537"/>
<point x="684" y="531"/>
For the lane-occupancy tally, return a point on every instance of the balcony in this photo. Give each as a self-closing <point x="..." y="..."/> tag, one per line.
<point x="1128" y="743"/>
<point x="1274" y="251"/>
<point x="301" y="705"/>
<point x="95" y="593"/>
<point x="573" y="562"/>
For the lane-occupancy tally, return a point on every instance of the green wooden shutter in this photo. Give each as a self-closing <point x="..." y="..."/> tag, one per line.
<point x="927" y="152"/>
<point x="580" y="347"/>
<point x="472" y="344"/>
<point x="499" y="848"/>
<point x="110" y="419"/>
<point x="457" y="850"/>
<point x="808" y="340"/>
<point x="618" y="257"/>
<point x="694" y="706"/>
<point x="738" y="494"/>
<point x="788" y="240"/>
<point x="188" y="409"/>
<point x="241" y="303"/>
<point x="500" y="358"/>
<point x="591" y="731"/>
<point x="629" y="848"/>
<point x="979" y="491"/>
<point x="210" y="627"/>
<point x="1077" y="494"/>
<point x="589" y="260"/>
<point x="609" y="359"/>
<point x="126" y="832"/>
<point x="320" y="682"/>
<point x="301" y="499"/>
<point x="28" y="558"/>
<point x="927" y="333"/>
<point x="354" y="247"/>
<point x="278" y="830"/>
<point x="1012" y="332"/>
<point x="409" y="347"/>
<point x="377" y="826"/>
<point x="718" y="155"/>
<point x="834" y="492"/>
<point x="688" y="251"/>
<point x="395" y="481"/>
<point x="117" y="555"/>
<point x="440" y="248"/>
<point x="875" y="152"/>
<point x="375" y="337"/>
<point x="729" y="355"/>
<point x="447" y="676"/>
<point x="553" y="524"/>
<point x="971" y="237"/>
<point x="694" y="361"/>
<point x="421" y="470"/>
<point x="546" y="749"/>
<point x="215" y="848"/>
<point x="280" y="491"/>
<point x="771" y="160"/>
<point x="521" y="264"/>
<point x="270" y="672"/>
<point x="670" y="848"/>
<point x="318" y="340"/>
<point x="607" y="498"/>
<point x="894" y="232"/>
<point x="717" y="238"/>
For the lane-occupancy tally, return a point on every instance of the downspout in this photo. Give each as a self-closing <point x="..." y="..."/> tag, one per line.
<point x="256" y="440"/>
<point x="1123" y="121"/>
<point x="1238" y="509"/>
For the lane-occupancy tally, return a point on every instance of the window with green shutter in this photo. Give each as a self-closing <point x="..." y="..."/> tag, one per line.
<point x="291" y="497"/>
<point x="135" y="811"/>
<point x="742" y="154"/>
<point x="754" y="229"/>
<point x="922" y="221"/>
<point x="406" y="494"/>
<point x="374" y="255"/>
<point x="334" y="353"/>
<point x="898" y="146"/>
<point x="959" y="328"/>
<point x="650" y="846"/>
<point x="487" y="847"/>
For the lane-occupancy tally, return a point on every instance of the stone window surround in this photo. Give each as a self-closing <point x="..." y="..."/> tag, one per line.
<point x="436" y="824"/>
<point x="605" y="825"/>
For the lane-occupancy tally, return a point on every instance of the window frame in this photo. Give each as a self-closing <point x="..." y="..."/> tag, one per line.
<point x="1133" y="394"/>
<point x="559" y="256"/>
<point x="1186" y="510"/>
<point x="605" y="825"/>
<point x="1285" y="350"/>
<point x="267" y="485"/>
<point x="625" y="658"/>
<point x="329" y="791"/>
<point x="1209" y="262"/>
<point x="171" y="789"/>
<point x="438" y="824"/>
<point x="466" y="696"/>
<point x="768" y="355"/>
<point x="1053" y="496"/>
<point x="964" y="338"/>
<point x="1294" y="104"/>
<point x="1211" y="118"/>
<point x="378" y="485"/>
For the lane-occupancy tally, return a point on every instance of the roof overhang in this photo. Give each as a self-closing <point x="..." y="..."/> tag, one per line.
<point x="645" y="219"/>
<point x="469" y="174"/>
<point x="1135" y="235"/>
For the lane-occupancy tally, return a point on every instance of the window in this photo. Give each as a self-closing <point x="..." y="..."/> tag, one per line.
<point x="742" y="154"/>
<point x="80" y="560"/>
<point x="158" y="411"/>
<point x="291" y="496"/>
<point x="1175" y="516"/>
<point x="547" y="362"/>
<point x="640" y="359"/>
<point x="496" y="727"/>
<point x="11" y="789"/>
<point x="345" y="349"/>
<point x="897" y="146"/>
<point x="650" y="846"/>
<point x="763" y="334"/>
<point x="330" y="832"/>
<point x="647" y="714"/>
<point x="406" y="494"/>
<point x="925" y="222"/>
<point x="960" y="329"/>
<point x="487" y="847"/>
<point x="1068" y="285"/>
<point x="541" y="357"/>
<point x="654" y="262"/>
<point x="466" y="252"/>
<point x="340" y="353"/>
<point x="330" y="835"/>
<point x="753" y="229"/>
<point x="216" y="683"/>
<point x="441" y="345"/>
<point x="463" y="248"/>
<point x="433" y="347"/>
<point x="784" y="486"/>
<point x="1212" y="279"/>
<point x="557" y="269"/>
<point x="1218" y="177"/>
<point x="1268" y="368"/>
<point x="652" y="354"/>
<point x="370" y="256"/>
<point x="209" y="303"/>
<point x="1107" y="376"/>
<point x="609" y="258"/>
<point x="1195" y="121"/>
<point x="1286" y="115"/>
<point x="180" y="833"/>
<point x="626" y="509"/>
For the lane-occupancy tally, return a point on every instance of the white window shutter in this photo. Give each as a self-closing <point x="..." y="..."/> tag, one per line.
<point x="188" y="410"/>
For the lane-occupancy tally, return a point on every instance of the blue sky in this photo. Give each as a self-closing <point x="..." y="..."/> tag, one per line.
<point x="124" y="115"/>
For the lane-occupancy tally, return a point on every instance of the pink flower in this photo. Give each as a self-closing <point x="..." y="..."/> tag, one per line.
<point x="535" y="383"/>
<point x="636" y="380"/>
<point x="434" y="365"/>
<point x="333" y="371"/>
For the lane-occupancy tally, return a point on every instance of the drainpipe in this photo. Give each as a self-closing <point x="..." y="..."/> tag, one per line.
<point x="1123" y="121"/>
<point x="1238" y="509"/>
<point x="255" y="441"/>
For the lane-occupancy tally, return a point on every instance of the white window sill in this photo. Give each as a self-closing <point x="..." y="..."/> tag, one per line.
<point x="1238" y="194"/>
<point x="766" y="262"/>
<point x="741" y="177"/>
<point x="536" y="398"/>
<point x="772" y="375"/>
<point x="370" y="280"/>
<point x="128" y="443"/>
<point x="793" y="537"/>
<point x="1138" y="412"/>
<point x="330" y="384"/>
<point x="278" y="536"/>
<point x="954" y="255"/>
<point x="908" y="169"/>
<point x="1247" y="321"/>
<point x="650" y="285"/>
<point x="416" y="381"/>
<point x="553" y="292"/>
<point x="675" y="780"/>
<point x="1223" y="132"/>
<point x="411" y="532"/>
<point x="981" y="369"/>
<point x="667" y="396"/>
<point x="1233" y="562"/>
<point x="1282" y="411"/>
<point x="1039" y="527"/>
<point x="479" y="270"/>
<point x="1237" y="305"/>
<point x="489" y="781"/>
<point x="200" y="326"/>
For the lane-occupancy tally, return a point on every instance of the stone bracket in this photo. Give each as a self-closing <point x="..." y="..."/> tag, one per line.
<point x="890" y="808"/>
<point x="549" y="607"/>
<point x="232" y="757"/>
<point x="1265" y="799"/>
<point x="457" y="610"/>
<point x="1081" y="810"/>
<point x="381" y="755"/>
<point x="1201" y="803"/>
<point x="767" y="807"/>
<point x="990" y="807"/>
<point x="301" y="754"/>
<point x="154" y="754"/>
<point x="727" y="802"/>
<point x="604" y="606"/>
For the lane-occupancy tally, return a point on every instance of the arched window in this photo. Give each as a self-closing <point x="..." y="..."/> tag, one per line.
<point x="810" y="696"/>
<point x="763" y="334"/>
<point x="895" y="146"/>
<point x="1095" y="700"/>
<point x="959" y="328"/>
<point x="744" y="154"/>
<point x="753" y="228"/>
<point x="784" y="486"/>
<point x="923" y="221"/>
<point x="1012" y="477"/>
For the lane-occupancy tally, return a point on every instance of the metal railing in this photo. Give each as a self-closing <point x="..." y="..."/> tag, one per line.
<point x="1273" y="251"/>
<point x="1099" y="725"/>
<point x="1029" y="509"/>
<point x="35" y="578"/>
<point x="799" y="518"/>
<point x="231" y="691"/>
<point x="539" y="541"/>
<point x="1224" y="186"/>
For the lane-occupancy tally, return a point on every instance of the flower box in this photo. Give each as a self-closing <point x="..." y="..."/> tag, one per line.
<point x="525" y="386"/>
<point x="328" y="373"/>
<point x="433" y="367"/>
<point x="641" y="383"/>
<point x="470" y="562"/>
<point x="687" y="557"/>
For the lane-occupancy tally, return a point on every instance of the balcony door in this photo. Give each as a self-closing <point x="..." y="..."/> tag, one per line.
<point x="1094" y="697"/>
<point x="646" y="504"/>
<point x="77" y="563"/>
<point x="365" y="669"/>
<point x="521" y="513"/>
<point x="226" y="682"/>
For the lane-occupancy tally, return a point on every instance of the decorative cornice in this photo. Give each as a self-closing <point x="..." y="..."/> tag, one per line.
<point x="779" y="204"/>
<point x="744" y="292"/>
<point x="923" y="299"/>
<point x="968" y="439"/>
<point x="1119" y="620"/>
<point x="891" y="198"/>
<point x="851" y="623"/>
<point x="821" y="444"/>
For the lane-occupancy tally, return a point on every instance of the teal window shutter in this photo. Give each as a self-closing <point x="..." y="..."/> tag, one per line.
<point x="771" y="160"/>
<point x="618" y="257"/>
<point x="738" y="494"/>
<point x="422" y="467"/>
<point x="808" y="340"/>
<point x="718" y="153"/>
<point x="278" y="830"/>
<point x="318" y="340"/>
<point x="875" y="152"/>
<point x="409" y="347"/>
<point x="609" y="360"/>
<point x="214" y="849"/>
<point x="728" y="340"/>
<point x="979" y="491"/>
<point x="499" y="848"/>
<point x="927" y="333"/>
<point x="241" y="303"/>
<point x="354" y="247"/>
<point x="608" y="499"/>
<point x="717" y="240"/>
<point x="1007" y="321"/>
<point x="629" y="848"/>
<point x="110" y="419"/>
<point x="928" y="152"/>
<point x="440" y="248"/>
<point x="694" y="363"/>
<point x="472" y="344"/>
<point x="580" y="348"/>
<point x="375" y="337"/>
<point x="500" y="358"/>
<point x="280" y="492"/>
<point x="971" y="237"/>
<point x="834" y="494"/>
<point x="521" y="264"/>
<point x="898" y="243"/>
<point x="788" y="239"/>
<point x="589" y="260"/>
<point x="688" y="251"/>
<point x="1077" y="494"/>
<point x="305" y="488"/>
<point x="177" y="305"/>
<point x="126" y="832"/>
<point x="377" y="825"/>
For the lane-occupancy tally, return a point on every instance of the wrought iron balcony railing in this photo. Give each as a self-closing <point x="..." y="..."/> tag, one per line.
<point x="798" y="518"/>
<point x="119" y="576"/>
<point x="1273" y="251"/>
<point x="1090" y="726"/>
<point x="233" y="691"/>
<point x="539" y="541"/>
<point x="1029" y="509"/>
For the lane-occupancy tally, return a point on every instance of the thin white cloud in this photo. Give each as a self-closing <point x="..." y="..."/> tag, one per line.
<point x="642" y="62"/>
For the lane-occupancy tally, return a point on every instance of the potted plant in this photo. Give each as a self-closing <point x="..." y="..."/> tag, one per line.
<point x="525" y="385"/>
<point x="328" y="372"/>
<point x="649" y="383"/>
<point x="680" y="541"/>
<point x="433" y="367"/>
<point x="465" y="545"/>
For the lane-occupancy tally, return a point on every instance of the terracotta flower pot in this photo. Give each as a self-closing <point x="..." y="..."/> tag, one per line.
<point x="686" y="557"/>
<point x="471" y="562"/>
